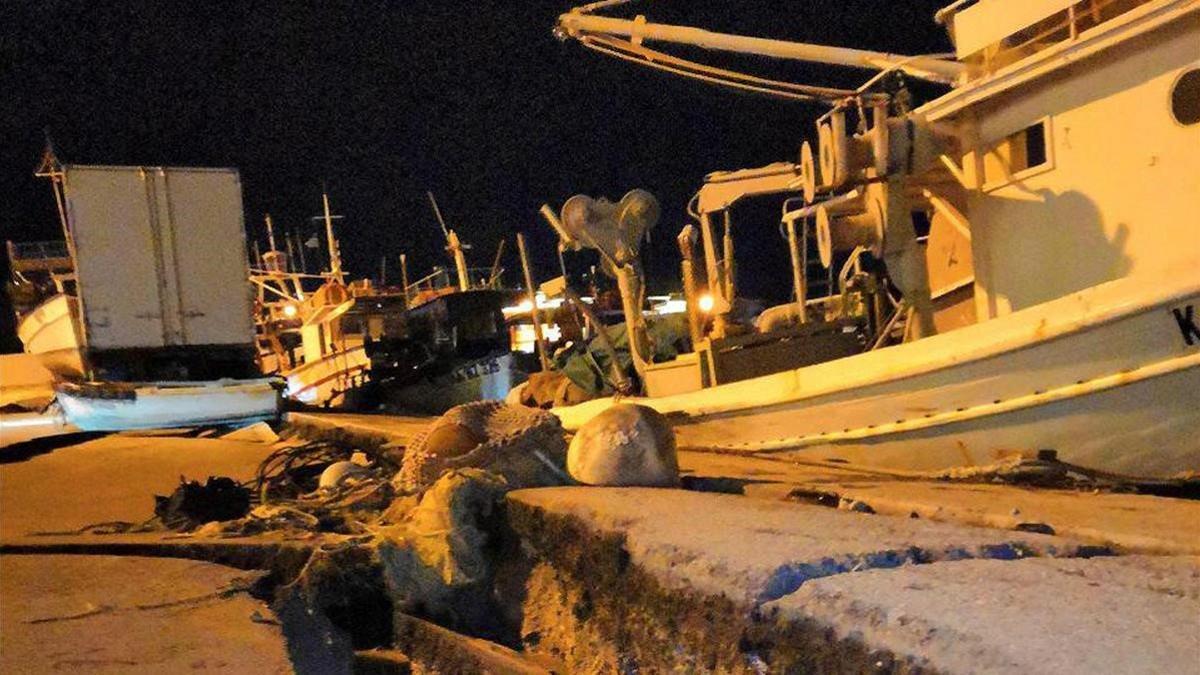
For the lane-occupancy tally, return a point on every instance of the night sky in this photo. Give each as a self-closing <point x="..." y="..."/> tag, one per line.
<point x="476" y="101"/>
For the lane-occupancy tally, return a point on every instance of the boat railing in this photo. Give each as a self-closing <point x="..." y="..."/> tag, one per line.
<point x="42" y="255"/>
<point x="1064" y="25"/>
<point x="439" y="279"/>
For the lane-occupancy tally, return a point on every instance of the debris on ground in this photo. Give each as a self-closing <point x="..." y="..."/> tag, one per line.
<point x="259" y="432"/>
<point x="339" y="473"/>
<point x="191" y="504"/>
<point x="417" y="535"/>
<point x="1047" y="471"/>
<point x="448" y="528"/>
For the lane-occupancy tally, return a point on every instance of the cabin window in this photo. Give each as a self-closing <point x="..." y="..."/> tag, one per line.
<point x="1185" y="98"/>
<point x="1017" y="156"/>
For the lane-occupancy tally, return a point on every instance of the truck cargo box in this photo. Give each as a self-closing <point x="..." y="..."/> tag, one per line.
<point x="162" y="272"/>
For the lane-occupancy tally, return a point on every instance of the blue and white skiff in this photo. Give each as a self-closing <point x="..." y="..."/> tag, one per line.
<point x="158" y="405"/>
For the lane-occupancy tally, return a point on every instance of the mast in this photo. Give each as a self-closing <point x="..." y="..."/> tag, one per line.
<point x="270" y="231"/>
<point x="404" y="278"/>
<point x="335" y="258"/>
<point x="454" y="245"/>
<point x="291" y="252"/>
<point x="300" y="251"/>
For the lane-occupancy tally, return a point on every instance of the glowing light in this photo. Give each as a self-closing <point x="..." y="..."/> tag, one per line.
<point x="671" y="306"/>
<point x="522" y="337"/>
<point x="289" y="311"/>
<point x="706" y="303"/>
<point x="524" y="306"/>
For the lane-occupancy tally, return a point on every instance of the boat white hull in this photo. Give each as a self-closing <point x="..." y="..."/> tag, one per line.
<point x="119" y="407"/>
<point x="326" y="381"/>
<point x="51" y="333"/>
<point x="1109" y="377"/>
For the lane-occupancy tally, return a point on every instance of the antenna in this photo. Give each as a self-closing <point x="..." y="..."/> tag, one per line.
<point x="335" y="259"/>
<point x="495" y="273"/>
<point x="50" y="167"/>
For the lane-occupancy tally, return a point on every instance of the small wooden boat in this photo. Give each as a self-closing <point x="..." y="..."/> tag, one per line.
<point x="116" y="406"/>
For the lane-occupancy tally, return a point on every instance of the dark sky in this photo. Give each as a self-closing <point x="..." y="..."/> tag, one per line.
<point x="383" y="100"/>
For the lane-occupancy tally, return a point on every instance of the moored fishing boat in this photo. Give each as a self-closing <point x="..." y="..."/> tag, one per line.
<point x="455" y="345"/>
<point x="1053" y="303"/>
<point x="456" y="350"/>
<point x="302" y="334"/>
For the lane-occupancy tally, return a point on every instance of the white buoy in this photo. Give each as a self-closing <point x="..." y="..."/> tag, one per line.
<point x="340" y="472"/>
<point x="626" y="445"/>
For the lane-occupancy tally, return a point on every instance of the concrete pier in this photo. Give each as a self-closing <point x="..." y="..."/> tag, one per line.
<point x="670" y="580"/>
<point x="133" y="614"/>
<point x="748" y="569"/>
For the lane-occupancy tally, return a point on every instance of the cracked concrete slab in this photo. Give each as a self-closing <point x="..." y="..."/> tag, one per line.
<point x="753" y="551"/>
<point x="1118" y="615"/>
<point x="130" y="614"/>
<point x="1130" y="522"/>
<point x="674" y="580"/>
<point x="360" y="428"/>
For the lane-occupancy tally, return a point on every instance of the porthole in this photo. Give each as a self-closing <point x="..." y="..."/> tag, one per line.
<point x="1185" y="98"/>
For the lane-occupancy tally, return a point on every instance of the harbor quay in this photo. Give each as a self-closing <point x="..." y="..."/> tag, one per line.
<point x="752" y="564"/>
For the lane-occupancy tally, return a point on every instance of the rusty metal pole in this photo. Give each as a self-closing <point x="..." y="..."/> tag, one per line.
<point x="533" y="308"/>
<point x="729" y="266"/>
<point x="799" y="282"/>
<point x="713" y="271"/>
<point x="687" y="254"/>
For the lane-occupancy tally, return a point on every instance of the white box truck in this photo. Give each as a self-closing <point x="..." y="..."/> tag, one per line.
<point x="162" y="275"/>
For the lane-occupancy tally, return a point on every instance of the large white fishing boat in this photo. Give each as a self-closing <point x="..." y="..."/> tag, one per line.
<point x="1053" y="302"/>
<point x="302" y="335"/>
